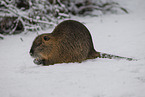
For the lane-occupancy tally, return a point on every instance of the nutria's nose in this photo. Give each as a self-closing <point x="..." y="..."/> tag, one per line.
<point x="31" y="52"/>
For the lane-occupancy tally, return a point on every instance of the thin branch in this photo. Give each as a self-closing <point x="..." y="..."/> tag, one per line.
<point x="14" y="29"/>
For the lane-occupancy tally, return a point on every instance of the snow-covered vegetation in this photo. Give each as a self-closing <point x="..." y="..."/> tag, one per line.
<point x="35" y="15"/>
<point x="119" y="34"/>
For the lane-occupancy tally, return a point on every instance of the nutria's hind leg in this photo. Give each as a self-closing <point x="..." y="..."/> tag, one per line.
<point x="93" y="54"/>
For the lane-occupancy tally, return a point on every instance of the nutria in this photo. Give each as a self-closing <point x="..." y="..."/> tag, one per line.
<point x="70" y="41"/>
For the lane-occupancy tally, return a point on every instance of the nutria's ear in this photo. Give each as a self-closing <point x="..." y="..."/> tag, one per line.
<point x="46" y="38"/>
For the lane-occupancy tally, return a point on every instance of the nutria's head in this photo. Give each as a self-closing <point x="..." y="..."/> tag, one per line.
<point x="41" y="47"/>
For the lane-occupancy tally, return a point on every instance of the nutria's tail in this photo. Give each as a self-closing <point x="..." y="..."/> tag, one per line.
<point x="110" y="56"/>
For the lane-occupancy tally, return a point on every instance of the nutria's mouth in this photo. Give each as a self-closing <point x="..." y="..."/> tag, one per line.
<point x="31" y="52"/>
<point x="37" y="60"/>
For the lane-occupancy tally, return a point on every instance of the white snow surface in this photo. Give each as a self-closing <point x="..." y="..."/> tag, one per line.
<point x="120" y="34"/>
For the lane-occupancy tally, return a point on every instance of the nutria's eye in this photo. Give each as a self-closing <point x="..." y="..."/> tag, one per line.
<point x="46" y="38"/>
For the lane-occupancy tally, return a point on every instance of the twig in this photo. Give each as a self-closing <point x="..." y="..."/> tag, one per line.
<point x="13" y="30"/>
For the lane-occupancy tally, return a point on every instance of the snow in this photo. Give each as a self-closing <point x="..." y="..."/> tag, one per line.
<point x="122" y="34"/>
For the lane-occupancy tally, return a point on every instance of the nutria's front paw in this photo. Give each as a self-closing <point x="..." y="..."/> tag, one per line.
<point x="38" y="61"/>
<point x="43" y="62"/>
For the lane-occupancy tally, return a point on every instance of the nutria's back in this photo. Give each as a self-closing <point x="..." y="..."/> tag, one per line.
<point x="70" y="41"/>
<point x="75" y="37"/>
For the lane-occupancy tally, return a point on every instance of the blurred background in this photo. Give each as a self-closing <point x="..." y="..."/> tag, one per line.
<point x="17" y="16"/>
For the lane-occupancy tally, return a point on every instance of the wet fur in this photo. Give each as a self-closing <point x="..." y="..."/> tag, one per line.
<point x="70" y="41"/>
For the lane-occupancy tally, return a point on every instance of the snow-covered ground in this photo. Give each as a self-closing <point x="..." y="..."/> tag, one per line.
<point x="122" y="34"/>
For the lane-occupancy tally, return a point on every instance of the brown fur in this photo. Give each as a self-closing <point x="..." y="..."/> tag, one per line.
<point x="70" y="41"/>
